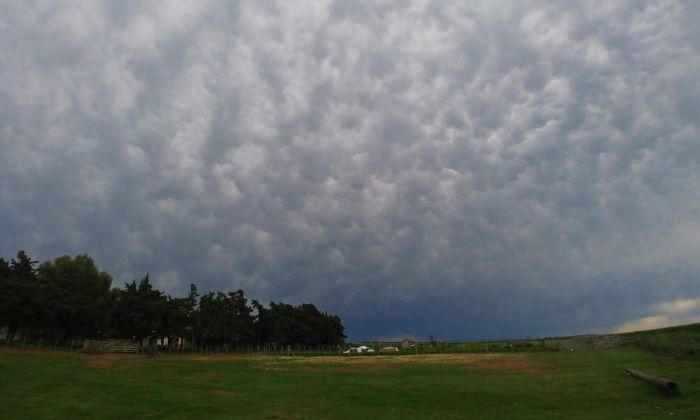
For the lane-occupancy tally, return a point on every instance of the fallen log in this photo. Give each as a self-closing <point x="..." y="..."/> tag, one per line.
<point x="663" y="383"/>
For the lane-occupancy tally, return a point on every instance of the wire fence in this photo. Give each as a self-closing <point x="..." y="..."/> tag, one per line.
<point x="43" y="344"/>
<point x="679" y="344"/>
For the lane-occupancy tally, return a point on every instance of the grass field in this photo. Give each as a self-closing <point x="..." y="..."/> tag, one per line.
<point x="580" y="384"/>
<point x="682" y="341"/>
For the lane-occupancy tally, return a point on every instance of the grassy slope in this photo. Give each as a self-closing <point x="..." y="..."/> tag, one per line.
<point x="688" y="329"/>
<point x="680" y="341"/>
<point x="561" y="385"/>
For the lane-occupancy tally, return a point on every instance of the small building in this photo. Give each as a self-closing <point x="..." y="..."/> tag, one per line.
<point x="407" y="343"/>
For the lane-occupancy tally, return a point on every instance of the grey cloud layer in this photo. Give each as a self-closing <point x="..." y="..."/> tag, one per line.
<point x="503" y="160"/>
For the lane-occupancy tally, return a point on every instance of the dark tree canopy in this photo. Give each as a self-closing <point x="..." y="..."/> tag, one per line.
<point x="20" y="295"/>
<point x="75" y="297"/>
<point x="71" y="298"/>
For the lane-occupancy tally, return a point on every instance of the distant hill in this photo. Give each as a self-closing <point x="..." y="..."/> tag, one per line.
<point x="679" y="340"/>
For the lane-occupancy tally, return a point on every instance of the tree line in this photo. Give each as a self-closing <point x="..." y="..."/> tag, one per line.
<point x="70" y="298"/>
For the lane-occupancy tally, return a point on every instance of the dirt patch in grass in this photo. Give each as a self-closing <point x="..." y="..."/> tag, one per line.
<point x="119" y="361"/>
<point x="394" y="360"/>
<point x="300" y="367"/>
<point x="106" y="360"/>
<point x="222" y="357"/>
<point x="511" y="363"/>
<point x="382" y="363"/>
<point x="516" y="363"/>
<point x="519" y="363"/>
<point x="103" y="360"/>
<point x="378" y="367"/>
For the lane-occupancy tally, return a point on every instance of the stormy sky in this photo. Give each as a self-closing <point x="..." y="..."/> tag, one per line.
<point x="469" y="170"/>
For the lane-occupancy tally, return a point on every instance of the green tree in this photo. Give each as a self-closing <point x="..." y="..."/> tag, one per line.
<point x="191" y="307"/>
<point x="285" y="324"/>
<point x="175" y="318"/>
<point x="7" y="295"/>
<point x="70" y="298"/>
<point x="139" y="311"/>
<point x="18" y="300"/>
<point x="75" y="297"/>
<point x="225" y="318"/>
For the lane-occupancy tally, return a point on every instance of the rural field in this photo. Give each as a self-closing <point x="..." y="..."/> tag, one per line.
<point x="588" y="384"/>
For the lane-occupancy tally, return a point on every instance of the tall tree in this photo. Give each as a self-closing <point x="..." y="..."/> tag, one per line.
<point x="190" y="305"/>
<point x="140" y="311"/>
<point x="76" y="297"/>
<point x="225" y="318"/>
<point x="71" y="298"/>
<point x="7" y="294"/>
<point x="18" y="303"/>
<point x="282" y="323"/>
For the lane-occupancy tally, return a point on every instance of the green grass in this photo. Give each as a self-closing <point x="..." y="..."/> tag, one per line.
<point x="681" y="341"/>
<point x="587" y="384"/>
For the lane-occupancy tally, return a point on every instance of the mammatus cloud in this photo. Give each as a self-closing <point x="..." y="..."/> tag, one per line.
<point x="464" y="169"/>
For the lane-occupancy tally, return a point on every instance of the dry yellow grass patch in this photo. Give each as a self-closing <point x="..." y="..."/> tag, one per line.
<point x="454" y="358"/>
<point x="518" y="363"/>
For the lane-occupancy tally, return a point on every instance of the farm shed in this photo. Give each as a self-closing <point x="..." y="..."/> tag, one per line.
<point x="407" y="343"/>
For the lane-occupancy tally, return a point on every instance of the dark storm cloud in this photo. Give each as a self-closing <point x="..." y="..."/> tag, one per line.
<point x="468" y="169"/>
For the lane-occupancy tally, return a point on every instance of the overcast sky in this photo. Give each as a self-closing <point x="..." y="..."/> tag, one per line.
<point x="466" y="169"/>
